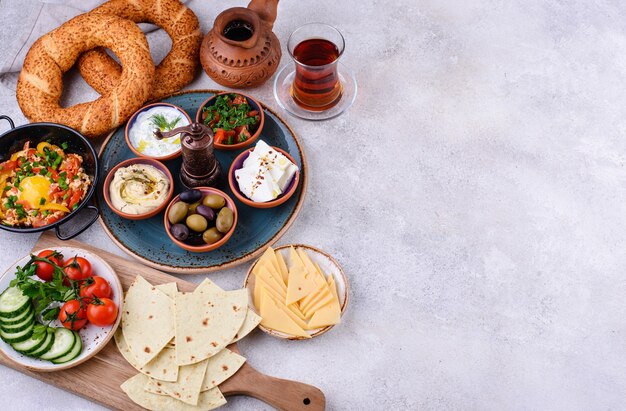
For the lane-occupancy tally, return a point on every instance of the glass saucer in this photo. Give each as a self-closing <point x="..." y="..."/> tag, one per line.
<point x="282" y="94"/>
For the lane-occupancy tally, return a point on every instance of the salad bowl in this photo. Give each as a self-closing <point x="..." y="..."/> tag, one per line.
<point x="93" y="338"/>
<point x="254" y="106"/>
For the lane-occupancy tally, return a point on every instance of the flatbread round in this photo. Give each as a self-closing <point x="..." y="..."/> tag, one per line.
<point x="134" y="388"/>
<point x="207" y="321"/>
<point x="147" y="320"/>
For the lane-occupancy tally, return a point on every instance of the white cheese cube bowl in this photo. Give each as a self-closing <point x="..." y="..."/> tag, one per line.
<point x="282" y="198"/>
<point x="328" y="265"/>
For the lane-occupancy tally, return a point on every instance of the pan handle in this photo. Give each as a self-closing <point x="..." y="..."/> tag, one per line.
<point x="73" y="233"/>
<point x="7" y="118"/>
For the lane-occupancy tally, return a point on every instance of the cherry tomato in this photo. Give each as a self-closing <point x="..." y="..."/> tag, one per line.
<point x="70" y="164"/>
<point x="8" y="166"/>
<point x="219" y="136"/>
<point x="75" y="198"/>
<point x="45" y="270"/>
<point x="77" y="268"/>
<point x="53" y="174"/>
<point x="242" y="133"/>
<point x="72" y="315"/>
<point x="239" y="99"/>
<point x="39" y="222"/>
<point x="95" y="286"/>
<point x="102" y="312"/>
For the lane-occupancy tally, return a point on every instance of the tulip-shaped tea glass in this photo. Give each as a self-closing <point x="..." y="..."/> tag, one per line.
<point x="317" y="86"/>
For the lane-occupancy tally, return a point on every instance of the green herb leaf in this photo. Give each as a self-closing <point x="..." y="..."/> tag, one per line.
<point x="50" y="314"/>
<point x="162" y="124"/>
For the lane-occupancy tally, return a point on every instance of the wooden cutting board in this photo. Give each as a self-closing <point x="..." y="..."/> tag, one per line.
<point x="281" y="394"/>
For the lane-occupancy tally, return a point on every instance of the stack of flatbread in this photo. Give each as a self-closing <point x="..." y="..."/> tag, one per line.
<point x="177" y="341"/>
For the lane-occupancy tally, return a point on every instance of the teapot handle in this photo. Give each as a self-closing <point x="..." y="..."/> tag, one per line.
<point x="266" y="9"/>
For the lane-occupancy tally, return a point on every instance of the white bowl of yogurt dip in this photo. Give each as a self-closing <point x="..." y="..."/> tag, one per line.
<point x="142" y="124"/>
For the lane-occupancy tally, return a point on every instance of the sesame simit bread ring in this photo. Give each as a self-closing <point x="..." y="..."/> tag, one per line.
<point x="40" y="83"/>
<point x="176" y="70"/>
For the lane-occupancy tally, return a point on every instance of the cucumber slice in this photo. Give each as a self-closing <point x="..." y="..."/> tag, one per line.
<point x="45" y="347"/>
<point x="17" y="319"/>
<point x="14" y="328"/>
<point x="75" y="352"/>
<point x="30" y="345"/>
<point x="17" y="336"/>
<point x="13" y="302"/>
<point x="64" y="341"/>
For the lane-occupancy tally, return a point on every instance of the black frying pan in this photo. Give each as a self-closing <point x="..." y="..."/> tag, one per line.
<point x="13" y="141"/>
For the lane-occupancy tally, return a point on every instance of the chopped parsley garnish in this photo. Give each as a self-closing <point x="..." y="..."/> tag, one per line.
<point x="62" y="182"/>
<point x="20" y="212"/>
<point x="10" y="202"/>
<point x="57" y="161"/>
<point x="230" y="115"/>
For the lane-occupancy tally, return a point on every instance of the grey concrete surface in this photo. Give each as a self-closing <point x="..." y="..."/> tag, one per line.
<point x="475" y="195"/>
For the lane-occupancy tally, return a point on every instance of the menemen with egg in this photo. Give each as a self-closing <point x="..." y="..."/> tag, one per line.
<point x="39" y="186"/>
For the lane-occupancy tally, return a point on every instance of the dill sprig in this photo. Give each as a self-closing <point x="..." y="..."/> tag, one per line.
<point x="161" y="122"/>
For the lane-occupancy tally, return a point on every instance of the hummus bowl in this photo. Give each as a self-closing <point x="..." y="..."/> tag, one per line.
<point x="143" y="205"/>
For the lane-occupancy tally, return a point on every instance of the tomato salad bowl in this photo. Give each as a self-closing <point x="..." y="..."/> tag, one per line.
<point x="48" y="174"/>
<point x="242" y="122"/>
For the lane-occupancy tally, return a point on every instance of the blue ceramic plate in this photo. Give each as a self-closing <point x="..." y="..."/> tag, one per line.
<point x="147" y="241"/>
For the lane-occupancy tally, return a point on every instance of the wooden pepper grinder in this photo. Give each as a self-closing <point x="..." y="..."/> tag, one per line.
<point x="200" y="167"/>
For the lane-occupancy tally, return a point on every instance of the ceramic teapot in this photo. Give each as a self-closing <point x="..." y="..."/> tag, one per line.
<point x="241" y="50"/>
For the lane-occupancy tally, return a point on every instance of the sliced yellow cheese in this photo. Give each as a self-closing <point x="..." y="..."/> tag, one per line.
<point x="282" y="267"/>
<point x="268" y="261"/>
<point x="312" y="298"/>
<point x="277" y="319"/>
<point x="301" y="323"/>
<point x="278" y="284"/>
<point x="333" y="286"/>
<point x="300" y="284"/>
<point x="317" y="305"/>
<point x="330" y="314"/>
<point x="294" y="258"/>
<point x="319" y="270"/>
<point x="310" y="267"/>
<point x="259" y="284"/>
<point x="294" y="309"/>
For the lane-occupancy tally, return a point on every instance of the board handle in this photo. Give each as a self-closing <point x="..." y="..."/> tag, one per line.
<point x="284" y="395"/>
